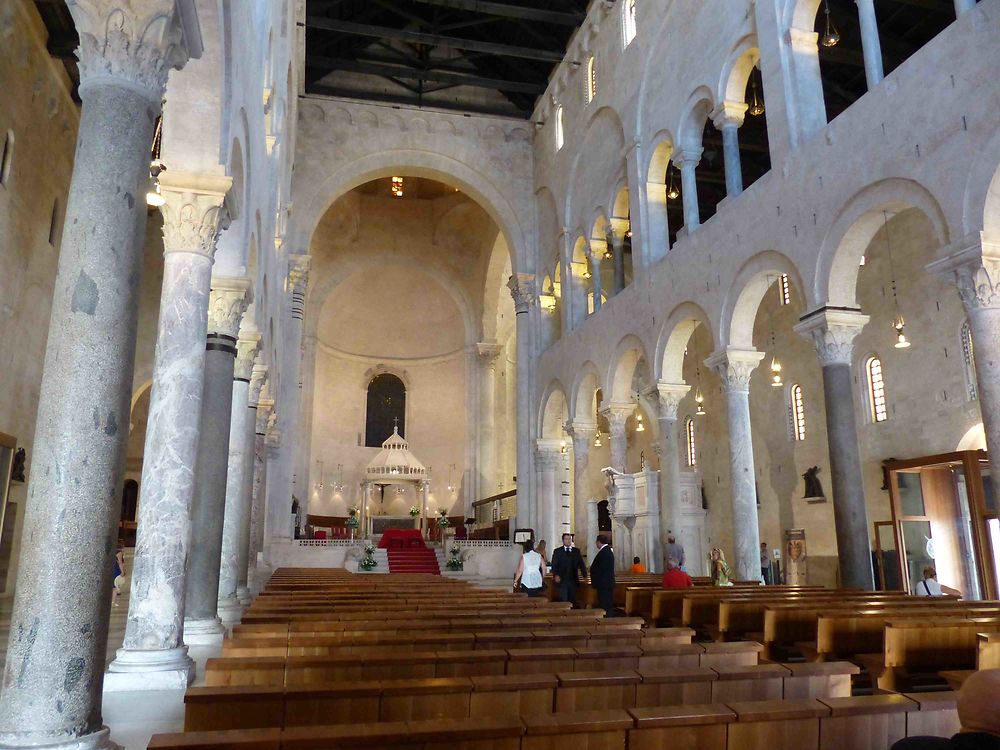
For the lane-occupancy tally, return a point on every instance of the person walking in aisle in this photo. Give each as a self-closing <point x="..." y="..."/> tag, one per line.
<point x="602" y="576"/>
<point x="530" y="573"/>
<point x="720" y="569"/>
<point x="567" y="570"/>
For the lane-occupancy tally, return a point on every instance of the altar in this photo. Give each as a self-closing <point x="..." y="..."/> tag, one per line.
<point x="394" y="464"/>
<point x="397" y="537"/>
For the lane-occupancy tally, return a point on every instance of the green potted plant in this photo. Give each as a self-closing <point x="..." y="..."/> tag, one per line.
<point x="352" y="518"/>
<point x="443" y="522"/>
<point x="368" y="562"/>
<point x="455" y="561"/>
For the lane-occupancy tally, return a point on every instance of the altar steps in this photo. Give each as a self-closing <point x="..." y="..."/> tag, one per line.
<point x="413" y="560"/>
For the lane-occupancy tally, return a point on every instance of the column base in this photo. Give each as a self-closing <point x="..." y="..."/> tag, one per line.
<point x="230" y="612"/>
<point x="160" y="669"/>
<point x="99" y="740"/>
<point x="243" y="595"/>
<point x="208" y="632"/>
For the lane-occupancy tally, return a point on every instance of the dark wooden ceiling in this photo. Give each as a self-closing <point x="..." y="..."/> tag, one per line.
<point x="466" y="55"/>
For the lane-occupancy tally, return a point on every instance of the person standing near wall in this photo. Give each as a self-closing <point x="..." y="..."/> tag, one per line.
<point x="602" y="576"/>
<point x="567" y="570"/>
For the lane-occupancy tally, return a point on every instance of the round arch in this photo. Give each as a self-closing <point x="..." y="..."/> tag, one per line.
<point x="736" y="72"/>
<point x="554" y="411"/>
<point x="628" y="355"/>
<point x="588" y="382"/>
<point x="981" y="201"/>
<point x="740" y="306"/>
<point x="675" y="333"/>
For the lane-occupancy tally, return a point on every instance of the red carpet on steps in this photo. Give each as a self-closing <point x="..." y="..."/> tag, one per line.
<point x="413" y="560"/>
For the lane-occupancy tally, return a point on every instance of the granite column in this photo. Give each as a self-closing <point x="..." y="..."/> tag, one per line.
<point x="687" y="161"/>
<point x="728" y="118"/>
<point x="549" y="463"/>
<point x="582" y="434"/>
<point x="670" y="395"/>
<point x="264" y="407"/>
<point x="522" y="289"/>
<point x="52" y="682"/>
<point x="258" y="375"/>
<point x="617" y="415"/>
<point x="871" y="46"/>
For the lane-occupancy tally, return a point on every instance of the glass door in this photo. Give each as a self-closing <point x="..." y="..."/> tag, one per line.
<point x="886" y="557"/>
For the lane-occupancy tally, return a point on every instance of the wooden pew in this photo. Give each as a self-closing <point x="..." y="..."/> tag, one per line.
<point x="694" y="727"/>
<point x="760" y="682"/>
<point x="937" y="715"/>
<point x="777" y="724"/>
<point x="988" y="651"/>
<point x="867" y="722"/>
<point x="585" y="730"/>
<point x="593" y="691"/>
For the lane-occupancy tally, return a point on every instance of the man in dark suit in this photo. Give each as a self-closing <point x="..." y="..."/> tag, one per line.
<point x="567" y="569"/>
<point x="602" y="576"/>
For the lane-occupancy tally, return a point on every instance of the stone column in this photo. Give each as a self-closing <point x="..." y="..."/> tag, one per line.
<point x="617" y="415"/>
<point x="734" y="367"/>
<point x="366" y="498"/>
<point x="237" y="505"/>
<point x="593" y="527"/>
<point x="687" y="161"/>
<point x="833" y="332"/>
<point x="51" y="689"/>
<point x="153" y="655"/>
<point x="228" y="302"/>
<point x="596" y="257"/>
<point x="522" y="288"/>
<point x="582" y="434"/>
<point x="488" y="352"/>
<point x="975" y="269"/>
<point x="549" y="461"/>
<point x="264" y="407"/>
<point x="617" y="243"/>
<point x="870" y="44"/>
<point x="258" y="374"/>
<point x="670" y="395"/>
<point x="425" y="492"/>
<point x="728" y="119"/>
<point x="962" y="6"/>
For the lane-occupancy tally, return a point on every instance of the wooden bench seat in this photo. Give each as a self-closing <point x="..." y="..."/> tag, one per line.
<point x="593" y="691"/>
<point x="865" y="722"/>
<point x="675" y="687"/>
<point x="584" y="730"/>
<point x="512" y="695"/>
<point x="233" y="739"/>
<point x="988" y="650"/>
<point x="604" y="658"/>
<point x="745" y="653"/>
<point x="758" y="682"/>
<point x="656" y="655"/>
<point x="819" y="679"/>
<point x="764" y="725"/>
<point x="692" y="727"/>
<point x="438" y="698"/>
<point x="337" y="703"/>
<point x="540" y="660"/>
<point x="937" y="714"/>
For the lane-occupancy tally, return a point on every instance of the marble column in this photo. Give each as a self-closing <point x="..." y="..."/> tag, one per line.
<point x="264" y="407"/>
<point x="258" y="375"/>
<point x="582" y="434"/>
<point x="593" y="529"/>
<point x="728" y="119"/>
<point x="53" y="677"/>
<point x="229" y="299"/>
<point x="237" y="506"/>
<point x="596" y="258"/>
<point x="734" y="367"/>
<point x="617" y="415"/>
<point x="975" y="269"/>
<point x="617" y="243"/>
<point x="549" y="462"/>
<point x="487" y="474"/>
<point x="962" y="6"/>
<point x="871" y="47"/>
<point x="687" y="161"/>
<point x="522" y="288"/>
<point x="669" y="399"/>
<point x="833" y="332"/>
<point x="153" y="655"/>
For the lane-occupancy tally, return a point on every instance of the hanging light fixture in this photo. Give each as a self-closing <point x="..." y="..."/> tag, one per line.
<point x="756" y="107"/>
<point x="608" y="255"/>
<point x="831" y="37"/>
<point x="597" y="439"/>
<point x="897" y="325"/>
<point x="775" y="364"/>
<point x="397" y="187"/>
<point x="672" y="192"/>
<point x="639" y="426"/>
<point x="699" y="399"/>
<point x="586" y="270"/>
<point x="563" y="448"/>
<point x="154" y="197"/>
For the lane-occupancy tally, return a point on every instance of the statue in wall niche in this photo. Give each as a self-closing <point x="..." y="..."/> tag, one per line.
<point x="813" y="487"/>
<point x="17" y="466"/>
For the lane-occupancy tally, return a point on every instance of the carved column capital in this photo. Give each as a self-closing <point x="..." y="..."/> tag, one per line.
<point x="617" y="415"/>
<point x="247" y="348"/>
<point x="975" y="270"/>
<point x="193" y="213"/>
<point x="488" y="351"/>
<point x="227" y="303"/>
<point x="298" y="273"/>
<point x="686" y="157"/>
<point x="522" y="289"/>
<point x="735" y="366"/>
<point x="264" y="408"/>
<point x="669" y="396"/>
<point x="134" y="43"/>
<point x="548" y="453"/>
<point x="833" y="332"/>
<point x="729" y="113"/>
<point x="258" y="379"/>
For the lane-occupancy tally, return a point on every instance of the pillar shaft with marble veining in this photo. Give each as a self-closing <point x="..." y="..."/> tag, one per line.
<point x="264" y="406"/>
<point x="258" y="375"/>
<point x="522" y="289"/>
<point x="734" y="367"/>
<point x="670" y="395"/>
<point x="728" y="119"/>
<point x="582" y="434"/>
<point x="617" y="416"/>
<point x="548" y="460"/>
<point x="687" y="161"/>
<point x="229" y="299"/>
<point x="51" y="690"/>
<point x="833" y="332"/>
<point x="154" y="629"/>
<point x="237" y="513"/>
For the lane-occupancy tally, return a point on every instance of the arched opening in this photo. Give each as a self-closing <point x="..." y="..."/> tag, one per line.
<point x="385" y="409"/>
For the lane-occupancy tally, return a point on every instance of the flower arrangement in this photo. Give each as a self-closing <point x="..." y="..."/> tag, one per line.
<point x="352" y="518"/>
<point x="443" y="522"/>
<point x="455" y="561"/>
<point x="368" y="562"/>
<point x="414" y="511"/>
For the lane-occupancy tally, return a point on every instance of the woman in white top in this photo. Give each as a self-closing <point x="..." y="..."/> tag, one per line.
<point x="930" y="586"/>
<point x="530" y="575"/>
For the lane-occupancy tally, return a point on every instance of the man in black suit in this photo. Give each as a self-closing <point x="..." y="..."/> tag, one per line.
<point x="602" y="576"/>
<point x="567" y="569"/>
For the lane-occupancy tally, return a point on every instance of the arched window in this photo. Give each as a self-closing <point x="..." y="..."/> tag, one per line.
<point x="590" y="84"/>
<point x="559" y="127"/>
<point x="876" y="390"/>
<point x="6" y="157"/>
<point x="969" y="363"/>
<point x="797" y="412"/>
<point x="628" y="21"/>
<point x="692" y="454"/>
<point x="386" y="409"/>
<point x="784" y="289"/>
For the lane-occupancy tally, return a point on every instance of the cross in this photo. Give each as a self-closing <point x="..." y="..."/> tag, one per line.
<point x="395" y="424"/>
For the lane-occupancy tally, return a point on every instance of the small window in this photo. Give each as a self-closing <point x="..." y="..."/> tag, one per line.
<point x="54" y="223"/>
<point x="6" y="157"/>
<point x="386" y="409"/>
<point x="797" y="412"/>
<point x="692" y="455"/>
<point x="876" y="390"/>
<point x="784" y="290"/>
<point x="969" y="363"/>
<point x="559" y="127"/>
<point x="591" y="82"/>
<point x="628" y="21"/>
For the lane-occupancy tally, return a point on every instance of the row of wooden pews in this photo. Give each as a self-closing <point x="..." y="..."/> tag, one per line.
<point x="325" y="659"/>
